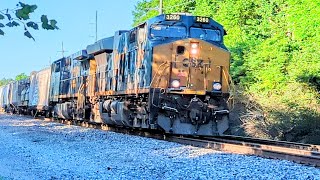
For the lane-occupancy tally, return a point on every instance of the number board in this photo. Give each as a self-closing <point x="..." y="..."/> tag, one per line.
<point x="172" y="17"/>
<point x="200" y="19"/>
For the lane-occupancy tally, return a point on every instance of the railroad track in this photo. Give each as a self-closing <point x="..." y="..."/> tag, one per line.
<point x="296" y="152"/>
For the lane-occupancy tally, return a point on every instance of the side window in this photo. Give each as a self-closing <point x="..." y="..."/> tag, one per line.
<point x="133" y="36"/>
<point x="57" y="67"/>
<point x="180" y="50"/>
<point x="141" y="33"/>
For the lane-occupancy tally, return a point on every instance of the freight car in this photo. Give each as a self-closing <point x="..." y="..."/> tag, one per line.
<point x="169" y="73"/>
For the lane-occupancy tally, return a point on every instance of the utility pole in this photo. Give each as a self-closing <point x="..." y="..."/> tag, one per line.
<point x="161" y="7"/>
<point x="96" y="24"/>
<point x="62" y="50"/>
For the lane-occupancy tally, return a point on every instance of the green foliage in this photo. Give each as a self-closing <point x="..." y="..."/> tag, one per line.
<point x="24" y="12"/>
<point x="21" y="16"/>
<point x="48" y="24"/>
<point x="146" y="9"/>
<point x="5" y="81"/>
<point x="33" y="25"/>
<point x="275" y="55"/>
<point x="21" y="76"/>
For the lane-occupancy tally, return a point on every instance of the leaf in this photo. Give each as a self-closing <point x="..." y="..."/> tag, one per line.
<point x="1" y="32"/>
<point x="9" y="16"/>
<point x="21" y="14"/>
<point x="33" y="25"/>
<point x="1" y="17"/>
<point x="24" y="12"/>
<point x="21" y="4"/>
<point x="27" y="33"/>
<point x="1" y="25"/>
<point x="44" y="19"/>
<point x="33" y="8"/>
<point x="28" y="7"/>
<point x="14" y="23"/>
<point x="53" y="24"/>
<point x="9" y="24"/>
<point x="46" y="25"/>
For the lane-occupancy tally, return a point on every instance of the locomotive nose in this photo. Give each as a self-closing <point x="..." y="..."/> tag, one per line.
<point x="184" y="55"/>
<point x="191" y="66"/>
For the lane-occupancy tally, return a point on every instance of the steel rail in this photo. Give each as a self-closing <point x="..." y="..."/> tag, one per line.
<point x="294" y="145"/>
<point x="307" y="157"/>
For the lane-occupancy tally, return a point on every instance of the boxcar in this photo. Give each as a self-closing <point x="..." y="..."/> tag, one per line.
<point x="39" y="91"/>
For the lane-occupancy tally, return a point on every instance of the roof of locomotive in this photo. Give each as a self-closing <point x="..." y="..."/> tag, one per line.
<point x="101" y="45"/>
<point x="187" y="19"/>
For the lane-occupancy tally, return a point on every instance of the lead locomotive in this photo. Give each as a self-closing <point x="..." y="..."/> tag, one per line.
<point x="170" y="73"/>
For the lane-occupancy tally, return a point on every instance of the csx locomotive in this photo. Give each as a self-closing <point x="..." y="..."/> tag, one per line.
<point x="170" y="73"/>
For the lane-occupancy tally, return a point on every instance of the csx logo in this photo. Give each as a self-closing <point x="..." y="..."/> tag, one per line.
<point x="193" y="62"/>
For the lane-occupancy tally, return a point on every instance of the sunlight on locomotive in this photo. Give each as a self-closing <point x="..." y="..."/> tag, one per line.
<point x="194" y="45"/>
<point x="194" y="48"/>
<point x="194" y="51"/>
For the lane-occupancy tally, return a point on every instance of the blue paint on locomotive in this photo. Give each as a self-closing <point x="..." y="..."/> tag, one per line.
<point x="67" y="75"/>
<point x="101" y="45"/>
<point x="55" y="79"/>
<point x="187" y="22"/>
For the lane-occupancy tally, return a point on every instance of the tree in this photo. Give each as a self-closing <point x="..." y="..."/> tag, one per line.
<point x="146" y="9"/>
<point x="5" y="81"/>
<point x="21" y="76"/>
<point x="275" y="53"/>
<point x="20" y="16"/>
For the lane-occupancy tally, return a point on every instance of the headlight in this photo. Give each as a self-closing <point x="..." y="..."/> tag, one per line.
<point x="194" y="51"/>
<point x="216" y="86"/>
<point x="194" y="45"/>
<point x="175" y="83"/>
<point x="194" y="48"/>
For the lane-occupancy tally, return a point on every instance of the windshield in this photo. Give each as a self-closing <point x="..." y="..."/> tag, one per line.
<point x="205" y="34"/>
<point x="168" y="31"/>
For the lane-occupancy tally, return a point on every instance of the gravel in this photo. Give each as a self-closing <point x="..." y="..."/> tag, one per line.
<point x="36" y="149"/>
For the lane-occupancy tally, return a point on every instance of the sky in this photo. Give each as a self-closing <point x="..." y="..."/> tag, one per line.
<point x="76" y="20"/>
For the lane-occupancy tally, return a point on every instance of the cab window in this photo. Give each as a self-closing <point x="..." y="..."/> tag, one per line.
<point x="205" y="34"/>
<point x="167" y="31"/>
